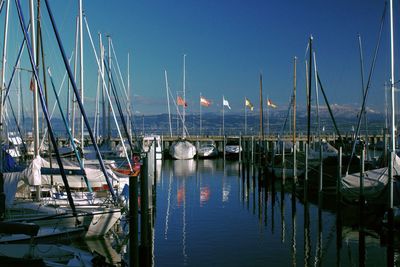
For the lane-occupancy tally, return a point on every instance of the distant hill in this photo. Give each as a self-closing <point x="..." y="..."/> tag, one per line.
<point x="346" y="117"/>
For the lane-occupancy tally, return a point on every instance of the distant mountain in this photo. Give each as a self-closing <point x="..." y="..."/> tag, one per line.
<point x="346" y="117"/>
<point x="276" y="122"/>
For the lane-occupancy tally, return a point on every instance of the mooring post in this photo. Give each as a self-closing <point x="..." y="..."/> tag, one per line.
<point x="339" y="175"/>
<point x="252" y="156"/>
<point x="294" y="163"/>
<point x="144" y="214"/>
<point x="273" y="155"/>
<point x="306" y="173"/>
<point x="362" y="176"/>
<point x="133" y="222"/>
<point x="320" y="174"/>
<point x="361" y="233"/>
<point x="240" y="150"/>
<point x="390" y="213"/>
<point x="385" y="148"/>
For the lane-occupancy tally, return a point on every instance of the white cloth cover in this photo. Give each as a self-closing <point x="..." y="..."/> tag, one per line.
<point x="10" y="186"/>
<point x="375" y="182"/>
<point x="182" y="149"/>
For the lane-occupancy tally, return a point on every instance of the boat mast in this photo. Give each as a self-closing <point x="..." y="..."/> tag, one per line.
<point x="109" y="86"/>
<point x="309" y="92"/>
<point x="169" y="109"/>
<point x="392" y="128"/>
<point x="81" y="70"/>
<point x="184" y="96"/>
<point x="129" y="117"/>
<point x="393" y="138"/>
<point x="317" y="99"/>
<point x="223" y="115"/>
<point x="245" y="117"/>
<point x="75" y="69"/>
<point x="200" y="115"/>
<point x="103" y="94"/>
<point x="294" y="100"/>
<point x="35" y="93"/>
<point x="3" y="73"/>
<point x="363" y="92"/>
<point x="261" y="111"/>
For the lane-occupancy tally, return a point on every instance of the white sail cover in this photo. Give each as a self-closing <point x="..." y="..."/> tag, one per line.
<point x="375" y="182"/>
<point x="182" y="149"/>
<point x="95" y="175"/>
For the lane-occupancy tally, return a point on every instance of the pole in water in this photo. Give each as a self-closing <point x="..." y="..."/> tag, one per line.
<point x="133" y="222"/>
<point x="144" y="213"/>
<point x="294" y="163"/>
<point x="339" y="174"/>
<point x="252" y="156"/>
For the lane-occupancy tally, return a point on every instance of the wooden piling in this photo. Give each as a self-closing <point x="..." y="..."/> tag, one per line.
<point x="145" y="224"/>
<point x="252" y="156"/>
<point x="294" y="163"/>
<point x="133" y="222"/>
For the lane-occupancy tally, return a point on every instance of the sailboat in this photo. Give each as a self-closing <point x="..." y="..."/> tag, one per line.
<point x="183" y="149"/>
<point x="375" y="186"/>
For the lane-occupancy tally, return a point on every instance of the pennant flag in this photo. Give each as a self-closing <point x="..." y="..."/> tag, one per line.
<point x="181" y="102"/>
<point x="249" y="104"/>
<point x="204" y="102"/>
<point x="225" y="103"/>
<point x="270" y="104"/>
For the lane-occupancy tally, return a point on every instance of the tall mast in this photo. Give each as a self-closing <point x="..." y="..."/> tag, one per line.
<point x="75" y="69"/>
<point x="245" y="117"/>
<point x="2" y="79"/>
<point x="129" y="103"/>
<point x="223" y="116"/>
<point x="81" y="68"/>
<point x="3" y="67"/>
<point x="261" y="111"/>
<point x="109" y="86"/>
<point x="200" y="115"/>
<point x="294" y="100"/>
<point x="35" y="93"/>
<point x="104" y="120"/>
<point x="363" y="92"/>
<point x="309" y="93"/>
<point x="169" y="109"/>
<point x="184" y="96"/>
<point x="392" y="128"/>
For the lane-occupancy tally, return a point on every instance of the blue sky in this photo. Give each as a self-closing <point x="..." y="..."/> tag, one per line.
<point x="228" y="43"/>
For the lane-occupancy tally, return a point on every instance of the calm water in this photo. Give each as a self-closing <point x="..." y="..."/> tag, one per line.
<point x="206" y="214"/>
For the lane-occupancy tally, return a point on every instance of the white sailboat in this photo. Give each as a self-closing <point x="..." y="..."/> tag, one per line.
<point x="183" y="149"/>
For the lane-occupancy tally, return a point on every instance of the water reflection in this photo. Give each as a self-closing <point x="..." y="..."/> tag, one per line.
<point x="204" y="195"/>
<point x="184" y="168"/>
<point x="206" y="209"/>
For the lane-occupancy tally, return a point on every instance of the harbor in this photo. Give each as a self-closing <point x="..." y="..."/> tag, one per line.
<point x="199" y="134"/>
